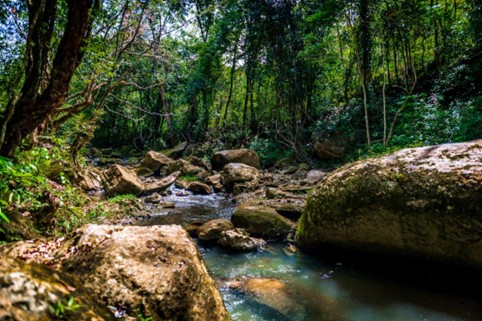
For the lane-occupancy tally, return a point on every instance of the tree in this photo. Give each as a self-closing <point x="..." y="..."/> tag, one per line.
<point x="46" y="81"/>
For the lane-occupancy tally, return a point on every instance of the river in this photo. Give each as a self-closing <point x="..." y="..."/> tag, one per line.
<point x="326" y="288"/>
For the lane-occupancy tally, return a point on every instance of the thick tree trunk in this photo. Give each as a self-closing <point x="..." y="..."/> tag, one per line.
<point x="44" y="91"/>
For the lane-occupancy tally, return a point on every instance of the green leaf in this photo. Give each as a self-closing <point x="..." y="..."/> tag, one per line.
<point x="3" y="216"/>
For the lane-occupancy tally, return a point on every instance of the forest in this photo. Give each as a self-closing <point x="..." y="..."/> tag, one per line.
<point x="275" y="76"/>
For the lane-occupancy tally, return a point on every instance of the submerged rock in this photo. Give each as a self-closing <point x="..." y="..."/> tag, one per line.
<point x="239" y="240"/>
<point x="243" y="156"/>
<point x="33" y="292"/>
<point x="121" y="180"/>
<point x="423" y="202"/>
<point x="261" y="221"/>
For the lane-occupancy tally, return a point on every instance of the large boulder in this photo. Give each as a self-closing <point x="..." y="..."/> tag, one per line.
<point x="423" y="202"/>
<point x="199" y="188"/>
<point x="261" y="221"/>
<point x="121" y="180"/>
<point x="235" y="173"/>
<point x="243" y="155"/>
<point x="156" y="270"/>
<point x="33" y="292"/>
<point x="211" y="230"/>
<point x="155" y="160"/>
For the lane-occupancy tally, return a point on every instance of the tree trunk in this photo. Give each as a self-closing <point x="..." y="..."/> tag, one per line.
<point x="44" y="91"/>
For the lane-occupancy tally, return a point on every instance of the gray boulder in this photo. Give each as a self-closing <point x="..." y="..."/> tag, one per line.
<point x="422" y="202"/>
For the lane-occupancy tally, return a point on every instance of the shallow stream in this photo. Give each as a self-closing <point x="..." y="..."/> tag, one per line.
<point x="323" y="289"/>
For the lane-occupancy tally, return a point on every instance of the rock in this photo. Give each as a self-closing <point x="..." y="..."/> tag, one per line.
<point x="239" y="240"/>
<point x="153" y="198"/>
<point x="245" y="187"/>
<point x="182" y="183"/>
<point x="161" y="184"/>
<point x="261" y="221"/>
<point x="238" y="173"/>
<point x="144" y="171"/>
<point x="215" y="182"/>
<point x="285" y="162"/>
<point x="199" y="188"/>
<point x="422" y="202"/>
<point x="90" y="179"/>
<point x="157" y="269"/>
<point x="273" y="193"/>
<point x="211" y="230"/>
<point x="243" y="156"/>
<point x="186" y="168"/>
<point x="199" y="162"/>
<point x="166" y="204"/>
<point x="33" y="292"/>
<point x="155" y="161"/>
<point x="290" y="300"/>
<point x="120" y="180"/>
<point x="332" y="145"/>
<point x="192" y="228"/>
<point x="176" y="151"/>
<point x="314" y="176"/>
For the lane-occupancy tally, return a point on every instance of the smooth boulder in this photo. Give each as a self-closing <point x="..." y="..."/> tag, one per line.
<point x="243" y="156"/>
<point x="261" y="221"/>
<point x="422" y="202"/>
<point x="121" y="180"/>
<point x="161" y="184"/>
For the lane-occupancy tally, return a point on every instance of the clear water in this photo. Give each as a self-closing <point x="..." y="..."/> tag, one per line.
<point x="322" y="289"/>
<point x="325" y="291"/>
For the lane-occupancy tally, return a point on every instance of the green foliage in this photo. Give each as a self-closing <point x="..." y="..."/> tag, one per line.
<point x="63" y="309"/>
<point x="122" y="198"/>
<point x="189" y="178"/>
<point x="268" y="150"/>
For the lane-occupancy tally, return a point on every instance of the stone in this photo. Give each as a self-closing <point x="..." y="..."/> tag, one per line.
<point x="144" y="171"/>
<point x="90" y="179"/>
<point x="153" y="198"/>
<point x="422" y="203"/>
<point x="161" y="184"/>
<point x="211" y="230"/>
<point x="289" y="299"/>
<point x="154" y="269"/>
<point x="199" y="162"/>
<point x="182" y="183"/>
<point x="243" y="156"/>
<point x="215" y="182"/>
<point x="261" y="221"/>
<point x="314" y="176"/>
<point x="186" y="168"/>
<point x="238" y="173"/>
<point x="121" y="180"/>
<point x="155" y="161"/>
<point x="199" y="188"/>
<point x="31" y="291"/>
<point x="176" y="151"/>
<point x="239" y="240"/>
<point x="327" y="151"/>
<point x="192" y="227"/>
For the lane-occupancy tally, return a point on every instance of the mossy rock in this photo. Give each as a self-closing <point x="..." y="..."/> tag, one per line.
<point x="261" y="221"/>
<point x="423" y="203"/>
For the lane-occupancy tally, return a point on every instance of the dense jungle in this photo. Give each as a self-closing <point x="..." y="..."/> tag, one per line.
<point x="240" y="160"/>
